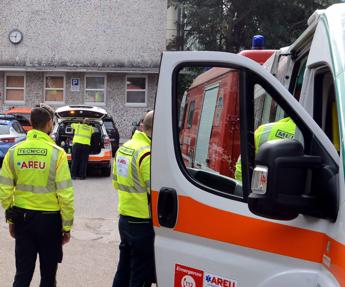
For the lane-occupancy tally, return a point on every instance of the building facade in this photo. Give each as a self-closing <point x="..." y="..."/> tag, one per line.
<point x="62" y="52"/>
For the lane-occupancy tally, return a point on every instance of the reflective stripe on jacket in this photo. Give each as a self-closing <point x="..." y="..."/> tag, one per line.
<point x="131" y="176"/>
<point x="82" y="133"/>
<point x="282" y="129"/>
<point x="35" y="176"/>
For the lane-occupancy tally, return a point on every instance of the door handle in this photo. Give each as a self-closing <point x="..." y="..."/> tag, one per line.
<point x="167" y="207"/>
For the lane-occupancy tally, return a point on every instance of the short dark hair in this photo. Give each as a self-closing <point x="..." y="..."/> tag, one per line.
<point x="49" y="109"/>
<point x="39" y="118"/>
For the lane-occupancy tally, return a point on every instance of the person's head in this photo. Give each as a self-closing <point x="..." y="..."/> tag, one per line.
<point x="141" y="125"/>
<point x="86" y="121"/>
<point x="41" y="120"/>
<point x="49" y="109"/>
<point x="141" y="121"/>
<point x="148" y="123"/>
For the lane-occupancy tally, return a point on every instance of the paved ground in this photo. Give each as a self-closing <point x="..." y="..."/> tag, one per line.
<point x="90" y="258"/>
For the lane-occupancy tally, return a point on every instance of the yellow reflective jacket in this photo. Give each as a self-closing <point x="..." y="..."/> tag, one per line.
<point x="82" y="133"/>
<point x="131" y="176"/>
<point x="282" y="129"/>
<point x="35" y="176"/>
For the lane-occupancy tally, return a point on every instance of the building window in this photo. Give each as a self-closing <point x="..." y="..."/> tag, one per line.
<point x="54" y="88"/>
<point x="136" y="91"/>
<point x="95" y="89"/>
<point x="15" y="87"/>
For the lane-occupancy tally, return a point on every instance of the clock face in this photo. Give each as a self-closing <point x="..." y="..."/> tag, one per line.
<point x="15" y="36"/>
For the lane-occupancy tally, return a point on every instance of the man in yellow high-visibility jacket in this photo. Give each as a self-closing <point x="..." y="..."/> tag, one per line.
<point x="282" y="129"/>
<point x="131" y="178"/>
<point x="37" y="193"/>
<point x="81" y="148"/>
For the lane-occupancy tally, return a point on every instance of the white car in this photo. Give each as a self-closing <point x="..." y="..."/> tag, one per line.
<point x="100" y="149"/>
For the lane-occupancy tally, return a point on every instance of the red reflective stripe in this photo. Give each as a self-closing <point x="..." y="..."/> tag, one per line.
<point x="203" y="220"/>
<point x="105" y="156"/>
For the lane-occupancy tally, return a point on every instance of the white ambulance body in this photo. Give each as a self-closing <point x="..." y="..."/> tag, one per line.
<point x="284" y="224"/>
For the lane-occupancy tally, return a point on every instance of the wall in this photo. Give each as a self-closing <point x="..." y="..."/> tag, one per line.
<point x="115" y="97"/>
<point x="92" y="33"/>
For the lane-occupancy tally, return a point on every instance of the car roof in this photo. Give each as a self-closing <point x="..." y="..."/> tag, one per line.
<point x="23" y="110"/>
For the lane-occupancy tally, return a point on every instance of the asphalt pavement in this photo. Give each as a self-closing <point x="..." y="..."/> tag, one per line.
<point x="90" y="259"/>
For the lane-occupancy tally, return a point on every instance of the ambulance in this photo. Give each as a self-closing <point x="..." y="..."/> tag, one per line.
<point x="211" y="86"/>
<point x="284" y="224"/>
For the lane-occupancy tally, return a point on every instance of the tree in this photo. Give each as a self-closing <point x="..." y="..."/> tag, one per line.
<point x="228" y="25"/>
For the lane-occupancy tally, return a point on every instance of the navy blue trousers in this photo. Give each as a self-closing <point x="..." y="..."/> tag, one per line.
<point x="37" y="233"/>
<point x="136" y="267"/>
<point x="80" y="157"/>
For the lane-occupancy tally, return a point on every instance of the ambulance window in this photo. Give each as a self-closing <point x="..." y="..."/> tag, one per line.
<point x="266" y="109"/>
<point x="209" y="142"/>
<point x="208" y="147"/>
<point x="298" y="76"/>
<point x="325" y="110"/>
<point x="191" y="114"/>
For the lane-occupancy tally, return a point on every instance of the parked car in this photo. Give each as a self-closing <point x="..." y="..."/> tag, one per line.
<point x="100" y="149"/>
<point x="22" y="116"/>
<point x="11" y="132"/>
<point x="113" y="133"/>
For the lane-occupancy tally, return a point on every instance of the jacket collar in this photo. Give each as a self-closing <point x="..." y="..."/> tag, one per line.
<point x="141" y="136"/>
<point x="38" y="135"/>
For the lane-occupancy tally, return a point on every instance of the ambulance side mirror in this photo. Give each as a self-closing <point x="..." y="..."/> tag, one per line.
<point x="281" y="182"/>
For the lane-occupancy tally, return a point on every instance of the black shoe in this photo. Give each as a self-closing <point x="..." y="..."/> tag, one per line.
<point x="82" y="178"/>
<point x="73" y="177"/>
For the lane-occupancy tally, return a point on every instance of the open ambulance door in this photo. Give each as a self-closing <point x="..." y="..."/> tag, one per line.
<point x="271" y="228"/>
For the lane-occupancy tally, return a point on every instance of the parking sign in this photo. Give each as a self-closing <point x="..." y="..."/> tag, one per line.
<point x="75" y="84"/>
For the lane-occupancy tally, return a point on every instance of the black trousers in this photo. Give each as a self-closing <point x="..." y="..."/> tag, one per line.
<point x="80" y="157"/>
<point x="37" y="233"/>
<point x="136" y="267"/>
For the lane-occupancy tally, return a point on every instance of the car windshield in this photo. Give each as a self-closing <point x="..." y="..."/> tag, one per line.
<point x="23" y="117"/>
<point x="109" y="125"/>
<point x="4" y="130"/>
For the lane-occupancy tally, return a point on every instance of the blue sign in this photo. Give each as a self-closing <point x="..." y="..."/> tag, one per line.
<point x="75" y="84"/>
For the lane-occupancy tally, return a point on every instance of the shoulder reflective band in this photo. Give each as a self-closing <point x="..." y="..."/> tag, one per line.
<point x="52" y="170"/>
<point x="135" y="172"/>
<point x="6" y="181"/>
<point x="11" y="151"/>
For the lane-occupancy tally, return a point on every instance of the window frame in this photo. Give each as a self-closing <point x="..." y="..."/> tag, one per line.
<point x="247" y="81"/>
<point x="104" y="76"/>
<point x="135" y="105"/>
<point x="13" y="102"/>
<point x="50" y="89"/>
